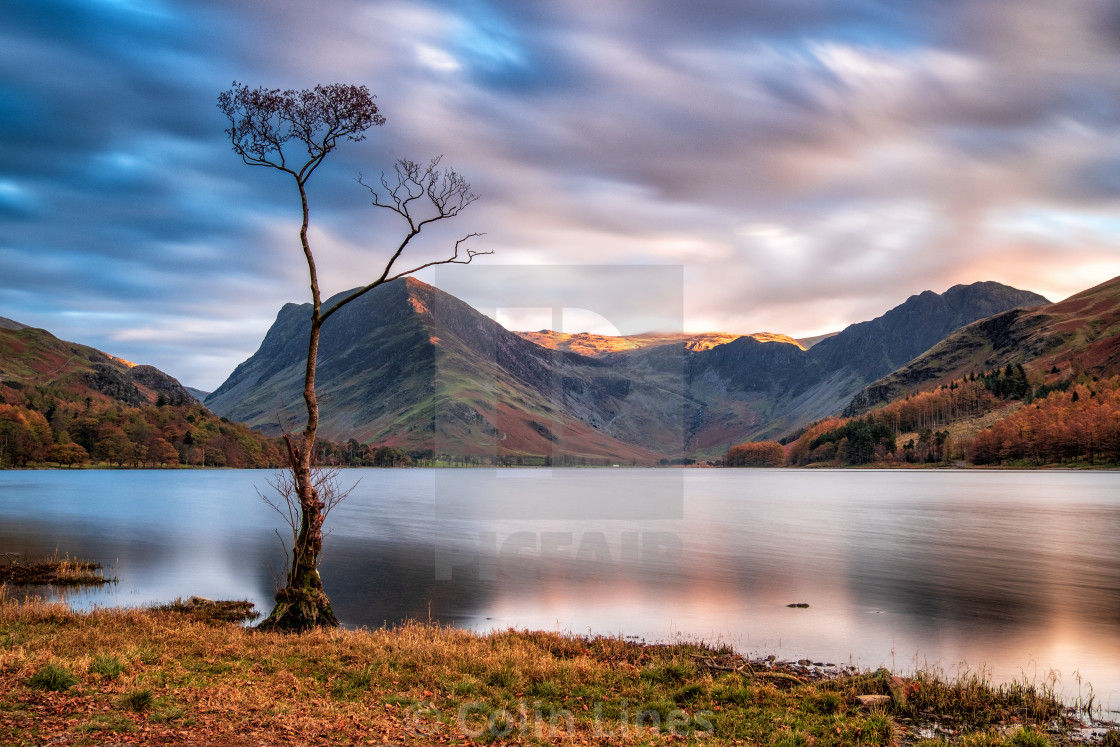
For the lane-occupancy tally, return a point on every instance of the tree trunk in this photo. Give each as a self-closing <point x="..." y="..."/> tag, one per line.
<point x="302" y="604"/>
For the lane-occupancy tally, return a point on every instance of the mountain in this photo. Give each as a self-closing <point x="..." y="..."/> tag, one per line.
<point x="408" y="365"/>
<point x="1082" y="332"/>
<point x="748" y="390"/>
<point x="33" y="358"/>
<point x="875" y="348"/>
<point x="69" y="404"/>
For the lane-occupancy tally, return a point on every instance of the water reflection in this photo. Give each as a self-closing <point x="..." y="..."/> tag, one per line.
<point x="1015" y="572"/>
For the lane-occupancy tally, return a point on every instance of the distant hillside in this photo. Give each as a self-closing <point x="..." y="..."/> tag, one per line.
<point x="34" y="359"/>
<point x="585" y="343"/>
<point x="68" y="404"/>
<point x="808" y="342"/>
<point x="1081" y="333"/>
<point x="197" y="393"/>
<point x="747" y="391"/>
<point x="1004" y="415"/>
<point x="413" y="367"/>
<point x="877" y="347"/>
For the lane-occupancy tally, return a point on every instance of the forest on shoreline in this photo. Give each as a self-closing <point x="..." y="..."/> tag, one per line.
<point x="996" y="418"/>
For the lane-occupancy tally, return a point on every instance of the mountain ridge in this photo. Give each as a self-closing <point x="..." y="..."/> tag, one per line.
<point x="797" y="387"/>
<point x="595" y="345"/>
<point x="408" y="365"/>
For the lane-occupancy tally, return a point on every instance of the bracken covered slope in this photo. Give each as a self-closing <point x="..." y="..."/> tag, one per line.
<point x="1082" y="332"/>
<point x="31" y="357"/>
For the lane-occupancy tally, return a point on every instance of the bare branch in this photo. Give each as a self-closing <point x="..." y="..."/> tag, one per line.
<point x="454" y="259"/>
<point x="287" y="500"/>
<point x="447" y="192"/>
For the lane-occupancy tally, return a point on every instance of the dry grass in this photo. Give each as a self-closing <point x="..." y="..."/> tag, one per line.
<point x="163" y="677"/>
<point x="50" y="571"/>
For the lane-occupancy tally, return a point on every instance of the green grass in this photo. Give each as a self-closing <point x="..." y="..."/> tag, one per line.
<point x="52" y="677"/>
<point x="971" y="697"/>
<point x="109" y="667"/>
<point x="137" y="700"/>
<point x="353" y="684"/>
<point x="1027" y="738"/>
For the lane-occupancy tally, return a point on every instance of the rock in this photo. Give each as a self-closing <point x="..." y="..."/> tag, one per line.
<point x="869" y="701"/>
<point x="900" y="689"/>
<point x="799" y="605"/>
<point x="196" y="602"/>
<point x="805" y="662"/>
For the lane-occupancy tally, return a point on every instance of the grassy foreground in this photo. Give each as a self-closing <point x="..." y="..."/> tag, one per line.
<point x="172" y="677"/>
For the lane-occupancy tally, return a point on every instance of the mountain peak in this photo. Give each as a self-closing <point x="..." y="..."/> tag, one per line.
<point x="909" y="329"/>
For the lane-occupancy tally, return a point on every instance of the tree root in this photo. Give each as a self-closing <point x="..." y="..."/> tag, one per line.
<point x="298" y="610"/>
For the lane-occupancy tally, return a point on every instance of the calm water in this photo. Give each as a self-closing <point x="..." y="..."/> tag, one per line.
<point x="1014" y="572"/>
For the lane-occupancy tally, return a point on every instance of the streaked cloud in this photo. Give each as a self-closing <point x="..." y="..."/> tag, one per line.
<point x="809" y="163"/>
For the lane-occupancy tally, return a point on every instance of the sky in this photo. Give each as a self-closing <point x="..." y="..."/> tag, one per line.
<point x="806" y="164"/>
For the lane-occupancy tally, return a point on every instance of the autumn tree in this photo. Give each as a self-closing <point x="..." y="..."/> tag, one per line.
<point x="25" y="436"/>
<point x="1077" y="422"/>
<point x="67" y="453"/>
<point x="292" y="132"/>
<point x="756" y="454"/>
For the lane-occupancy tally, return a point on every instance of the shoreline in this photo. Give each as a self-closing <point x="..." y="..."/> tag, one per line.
<point x="882" y="466"/>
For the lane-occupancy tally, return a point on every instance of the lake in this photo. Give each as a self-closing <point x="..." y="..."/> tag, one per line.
<point x="1017" y="573"/>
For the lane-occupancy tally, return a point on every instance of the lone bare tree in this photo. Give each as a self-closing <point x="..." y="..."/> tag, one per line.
<point x="292" y="132"/>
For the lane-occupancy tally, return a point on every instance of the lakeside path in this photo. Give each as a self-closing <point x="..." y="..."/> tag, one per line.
<point x="115" y="676"/>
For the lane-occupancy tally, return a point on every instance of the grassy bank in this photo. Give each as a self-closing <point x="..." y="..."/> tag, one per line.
<point x="172" y="677"/>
